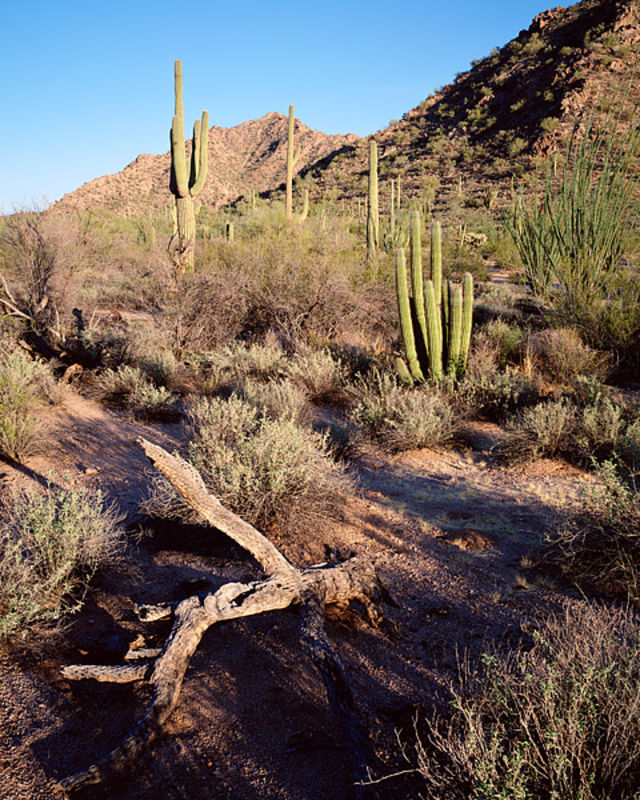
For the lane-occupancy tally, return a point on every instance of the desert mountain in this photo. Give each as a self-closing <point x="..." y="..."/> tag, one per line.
<point x="495" y="120"/>
<point x="250" y="156"/>
<point x="470" y="138"/>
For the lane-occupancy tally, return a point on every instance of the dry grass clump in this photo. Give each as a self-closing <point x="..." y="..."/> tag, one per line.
<point x="402" y="418"/>
<point x="557" y="719"/>
<point x="561" y="354"/>
<point x="51" y="544"/>
<point x="131" y="388"/>
<point x="271" y="472"/>
<point x="601" y="548"/>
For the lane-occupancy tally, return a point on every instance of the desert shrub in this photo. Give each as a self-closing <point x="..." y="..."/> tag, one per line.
<point x="505" y="340"/>
<point x="543" y="430"/>
<point x="22" y="380"/>
<point x="493" y="394"/>
<point x="320" y="375"/>
<point x="131" y="388"/>
<point x="230" y="365"/>
<point x="277" y="399"/>
<point x="272" y="473"/>
<point x="306" y="283"/>
<point x="557" y="718"/>
<point x="601" y="428"/>
<point x="402" y="418"/>
<point x="51" y="544"/>
<point x="562" y="355"/>
<point x="601" y="548"/>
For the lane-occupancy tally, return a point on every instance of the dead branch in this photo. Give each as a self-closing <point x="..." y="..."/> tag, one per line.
<point x="311" y="589"/>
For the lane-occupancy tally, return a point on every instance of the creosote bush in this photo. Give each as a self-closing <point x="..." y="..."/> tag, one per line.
<point x="51" y="543"/>
<point x="557" y="718"/>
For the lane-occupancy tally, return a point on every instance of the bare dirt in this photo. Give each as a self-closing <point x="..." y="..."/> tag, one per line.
<point x="450" y="529"/>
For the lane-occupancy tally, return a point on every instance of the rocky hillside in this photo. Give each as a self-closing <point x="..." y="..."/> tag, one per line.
<point x="249" y="156"/>
<point x="495" y="120"/>
<point x="465" y="143"/>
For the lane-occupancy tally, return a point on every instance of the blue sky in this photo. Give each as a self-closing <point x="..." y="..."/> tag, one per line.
<point x="88" y="86"/>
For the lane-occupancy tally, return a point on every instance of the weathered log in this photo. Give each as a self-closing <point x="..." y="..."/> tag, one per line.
<point x="311" y="589"/>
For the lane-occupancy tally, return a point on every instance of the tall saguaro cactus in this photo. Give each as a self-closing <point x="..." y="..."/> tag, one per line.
<point x="186" y="184"/>
<point x="292" y="157"/>
<point x="373" y="215"/>
<point x="435" y="316"/>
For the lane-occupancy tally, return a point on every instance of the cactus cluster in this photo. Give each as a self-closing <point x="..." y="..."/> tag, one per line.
<point x="435" y="315"/>
<point x="186" y="184"/>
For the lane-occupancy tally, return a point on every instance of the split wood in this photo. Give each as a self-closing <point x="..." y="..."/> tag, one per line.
<point x="284" y="585"/>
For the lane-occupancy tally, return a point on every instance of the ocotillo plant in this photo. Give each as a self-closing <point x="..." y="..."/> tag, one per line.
<point x="373" y="217"/>
<point x="186" y="184"/>
<point x="435" y="318"/>
<point x="292" y="158"/>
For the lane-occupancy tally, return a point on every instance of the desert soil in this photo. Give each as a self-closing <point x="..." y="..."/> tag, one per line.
<point x="450" y="529"/>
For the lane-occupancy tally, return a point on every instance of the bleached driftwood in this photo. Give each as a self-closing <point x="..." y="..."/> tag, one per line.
<point x="284" y="585"/>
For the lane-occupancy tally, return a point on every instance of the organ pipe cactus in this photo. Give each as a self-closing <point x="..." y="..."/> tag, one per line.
<point x="186" y="184"/>
<point x="292" y="157"/>
<point x="435" y="316"/>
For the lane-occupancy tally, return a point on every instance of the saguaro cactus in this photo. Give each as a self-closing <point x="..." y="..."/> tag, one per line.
<point x="292" y="158"/>
<point x="186" y="184"/>
<point x="373" y="216"/>
<point x="436" y="318"/>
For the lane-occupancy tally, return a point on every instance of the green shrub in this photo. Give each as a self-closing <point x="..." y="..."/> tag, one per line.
<point x="271" y="472"/>
<point x="403" y="418"/>
<point x="277" y="399"/>
<point x="496" y="395"/>
<point x="504" y="340"/>
<point x="557" y="719"/>
<point x="131" y="388"/>
<point x="21" y="381"/>
<point x="544" y="430"/>
<point x="50" y="545"/>
<point x="320" y="375"/>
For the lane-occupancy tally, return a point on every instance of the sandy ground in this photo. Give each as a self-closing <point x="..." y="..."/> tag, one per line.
<point x="450" y="529"/>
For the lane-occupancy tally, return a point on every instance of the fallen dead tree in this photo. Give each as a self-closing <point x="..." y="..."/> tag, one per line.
<point x="284" y="585"/>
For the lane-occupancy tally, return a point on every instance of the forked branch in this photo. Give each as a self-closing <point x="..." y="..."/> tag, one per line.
<point x="311" y="589"/>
